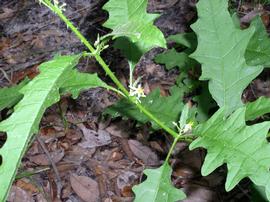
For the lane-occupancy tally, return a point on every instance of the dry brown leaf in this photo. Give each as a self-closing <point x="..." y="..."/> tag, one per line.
<point x="85" y="187"/>
<point x="143" y="152"/>
<point x="27" y="186"/>
<point x="94" y="139"/>
<point x="125" y="181"/>
<point x="42" y="159"/>
<point x="40" y="198"/>
<point x="117" y="131"/>
<point x="19" y="195"/>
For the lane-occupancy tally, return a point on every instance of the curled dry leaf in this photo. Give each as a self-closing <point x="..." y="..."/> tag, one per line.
<point x="42" y="159"/>
<point x="85" y="187"/>
<point x="143" y="152"/>
<point x="19" y="195"/>
<point x="94" y="139"/>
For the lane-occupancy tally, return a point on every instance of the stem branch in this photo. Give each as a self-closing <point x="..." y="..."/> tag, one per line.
<point x="106" y="68"/>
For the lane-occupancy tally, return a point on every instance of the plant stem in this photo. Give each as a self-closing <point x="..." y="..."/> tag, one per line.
<point x="106" y="68"/>
<point x="176" y="139"/>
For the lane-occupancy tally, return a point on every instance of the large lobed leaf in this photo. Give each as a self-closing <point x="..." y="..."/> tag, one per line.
<point x="39" y="94"/>
<point x="129" y="19"/>
<point x="158" y="187"/>
<point x="243" y="148"/>
<point x="166" y="109"/>
<point x="221" y="49"/>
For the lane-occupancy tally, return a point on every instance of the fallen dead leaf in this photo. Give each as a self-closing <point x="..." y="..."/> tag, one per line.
<point x="124" y="183"/>
<point x="117" y="131"/>
<point x="143" y="152"/>
<point x="42" y="159"/>
<point x="79" y="154"/>
<point x="94" y="139"/>
<point x="116" y="156"/>
<point x="27" y="186"/>
<point x="85" y="187"/>
<point x="40" y="198"/>
<point x="19" y="195"/>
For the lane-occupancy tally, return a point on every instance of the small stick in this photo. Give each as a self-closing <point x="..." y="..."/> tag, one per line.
<point x="5" y="75"/>
<point x="58" y="179"/>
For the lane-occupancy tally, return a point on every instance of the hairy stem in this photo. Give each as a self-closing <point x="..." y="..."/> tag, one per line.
<point x="106" y="68"/>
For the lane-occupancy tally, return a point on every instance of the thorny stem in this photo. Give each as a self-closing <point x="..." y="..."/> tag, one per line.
<point x="108" y="71"/>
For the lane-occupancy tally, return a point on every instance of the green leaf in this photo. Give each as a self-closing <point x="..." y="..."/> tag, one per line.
<point x="184" y="116"/>
<point x="78" y="82"/>
<point x="257" y="108"/>
<point x="243" y="148"/>
<point x="172" y="58"/>
<point x="258" y="50"/>
<point x="166" y="109"/>
<point x="39" y="94"/>
<point x="204" y="104"/>
<point x="188" y="40"/>
<point x="130" y="19"/>
<point x="221" y="49"/>
<point x="158" y="187"/>
<point x="130" y="50"/>
<point x="10" y="96"/>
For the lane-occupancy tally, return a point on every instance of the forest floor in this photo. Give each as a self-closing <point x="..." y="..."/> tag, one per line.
<point x="97" y="158"/>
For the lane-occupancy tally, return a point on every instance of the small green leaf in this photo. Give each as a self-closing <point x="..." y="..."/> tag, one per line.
<point x="243" y="148"/>
<point x="221" y="49"/>
<point x="172" y="58"/>
<point x="77" y="82"/>
<point x="188" y="40"/>
<point x="10" y="96"/>
<point x="158" y="187"/>
<point x="166" y="109"/>
<point x="258" y="50"/>
<point x="257" y="108"/>
<point x="184" y="116"/>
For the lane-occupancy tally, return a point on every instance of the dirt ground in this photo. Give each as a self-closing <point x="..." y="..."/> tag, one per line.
<point x="103" y="168"/>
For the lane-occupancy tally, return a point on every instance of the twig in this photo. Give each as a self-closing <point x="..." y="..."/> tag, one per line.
<point x="5" y="75"/>
<point x="58" y="179"/>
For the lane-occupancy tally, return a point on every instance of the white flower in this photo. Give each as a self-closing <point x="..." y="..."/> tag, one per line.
<point x="136" y="91"/>
<point x="61" y="6"/>
<point x="187" y="128"/>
